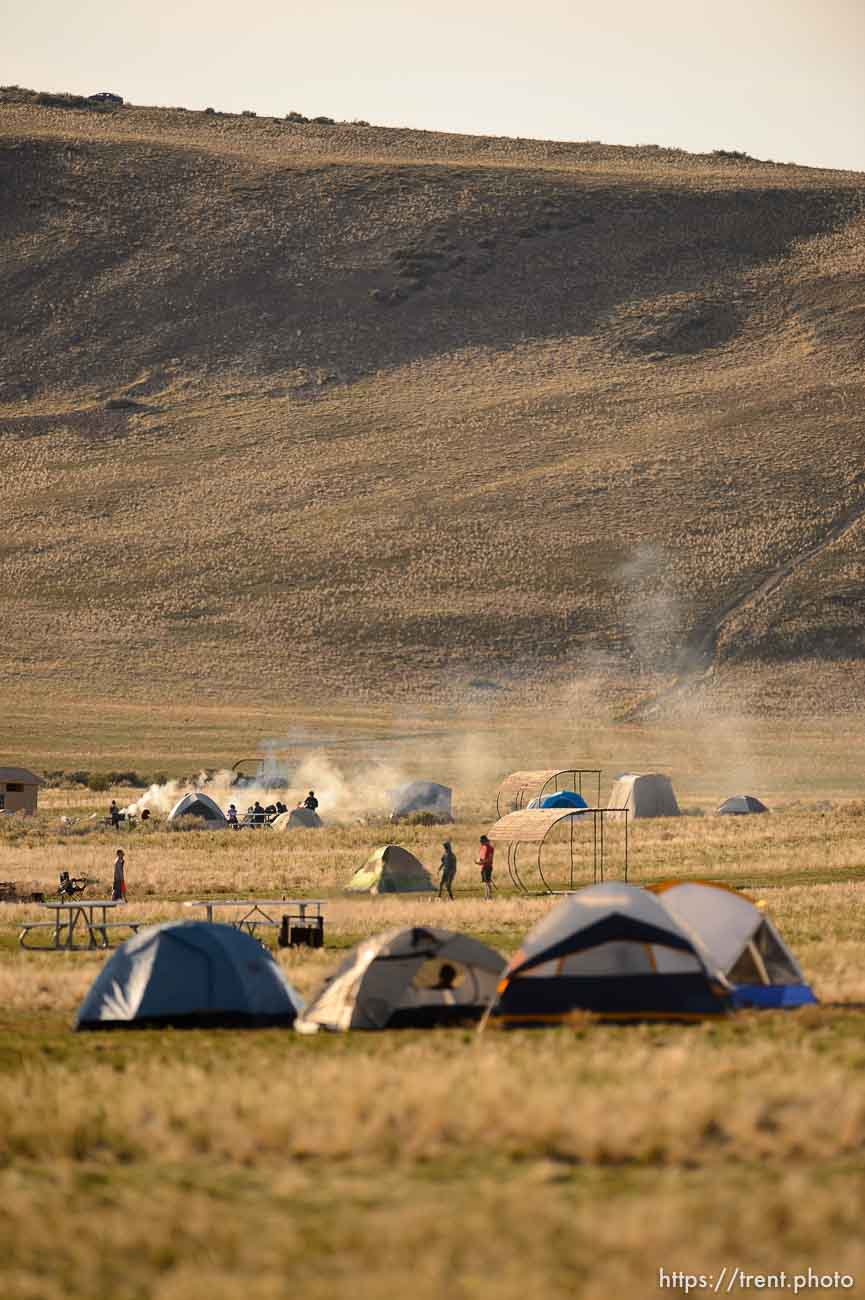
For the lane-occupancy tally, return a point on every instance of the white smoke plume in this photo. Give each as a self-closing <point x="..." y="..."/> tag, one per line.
<point x="363" y="794"/>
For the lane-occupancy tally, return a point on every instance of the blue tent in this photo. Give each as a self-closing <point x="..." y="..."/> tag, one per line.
<point x="188" y="974"/>
<point x="561" y="799"/>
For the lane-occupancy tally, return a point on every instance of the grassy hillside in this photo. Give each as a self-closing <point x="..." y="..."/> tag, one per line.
<point x="303" y="410"/>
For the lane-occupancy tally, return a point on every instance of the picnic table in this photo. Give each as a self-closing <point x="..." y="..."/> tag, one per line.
<point x="73" y="921"/>
<point x="255" y="912"/>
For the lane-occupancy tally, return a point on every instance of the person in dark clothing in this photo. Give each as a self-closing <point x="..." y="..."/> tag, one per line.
<point x="280" y="808"/>
<point x="310" y="801"/>
<point x="118" y="892"/>
<point x="258" y="814"/>
<point x="114" y="814"/>
<point x="447" y="871"/>
<point x="447" y="975"/>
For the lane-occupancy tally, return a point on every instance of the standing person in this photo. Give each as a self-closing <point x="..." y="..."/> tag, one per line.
<point x="231" y="817"/>
<point x="118" y="893"/>
<point x="485" y="862"/>
<point x="114" y="814"/>
<point x="447" y="871"/>
<point x="311" y="802"/>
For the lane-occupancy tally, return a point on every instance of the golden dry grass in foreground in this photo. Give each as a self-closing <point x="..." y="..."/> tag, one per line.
<point x="571" y="1162"/>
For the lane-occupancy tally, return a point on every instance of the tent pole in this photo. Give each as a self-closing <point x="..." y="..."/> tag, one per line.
<point x="626" y="846"/>
<point x="595" y="847"/>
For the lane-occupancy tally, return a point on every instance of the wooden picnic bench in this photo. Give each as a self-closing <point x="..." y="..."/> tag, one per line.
<point x="299" y="916"/>
<point x="74" y="920"/>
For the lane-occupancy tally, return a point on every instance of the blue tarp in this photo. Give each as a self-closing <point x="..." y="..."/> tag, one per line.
<point x="562" y="799"/>
<point x="769" y="996"/>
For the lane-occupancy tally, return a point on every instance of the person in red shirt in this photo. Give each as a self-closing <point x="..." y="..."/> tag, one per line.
<point x="485" y="862"/>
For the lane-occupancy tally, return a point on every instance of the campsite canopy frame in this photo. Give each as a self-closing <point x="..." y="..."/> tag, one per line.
<point x="533" y="825"/>
<point x="520" y="788"/>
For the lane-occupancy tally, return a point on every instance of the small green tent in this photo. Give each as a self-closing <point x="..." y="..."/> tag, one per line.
<point x="391" y="870"/>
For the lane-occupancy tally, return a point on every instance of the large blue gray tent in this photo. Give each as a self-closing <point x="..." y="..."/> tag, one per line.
<point x="187" y="974"/>
<point x="423" y="796"/>
<point x="615" y="950"/>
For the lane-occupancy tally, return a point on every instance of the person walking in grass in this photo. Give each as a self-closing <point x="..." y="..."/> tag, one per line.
<point x="118" y="892"/>
<point x="485" y="862"/>
<point x="447" y="871"/>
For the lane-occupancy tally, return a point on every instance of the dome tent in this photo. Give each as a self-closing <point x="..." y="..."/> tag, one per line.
<point x="645" y="794"/>
<point x="615" y="950"/>
<point x="413" y="978"/>
<point x="740" y="940"/>
<point x="423" y="796"/>
<point x="562" y="799"/>
<point x="391" y="870"/>
<point x="295" y="818"/>
<point x="740" y="805"/>
<point x="201" y="805"/>
<point x="189" y="974"/>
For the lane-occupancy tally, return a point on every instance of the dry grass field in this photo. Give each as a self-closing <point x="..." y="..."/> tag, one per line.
<point x="577" y="1161"/>
<point x="414" y="455"/>
<point x="310" y="412"/>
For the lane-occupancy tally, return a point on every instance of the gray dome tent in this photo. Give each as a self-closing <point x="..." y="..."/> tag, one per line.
<point x="740" y="805"/>
<point x="403" y="979"/>
<point x="423" y="796"/>
<point x="188" y="974"/>
<point x="741" y="941"/>
<point x="199" y="805"/>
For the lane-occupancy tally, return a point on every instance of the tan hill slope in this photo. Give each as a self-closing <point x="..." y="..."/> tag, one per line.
<point x="398" y="409"/>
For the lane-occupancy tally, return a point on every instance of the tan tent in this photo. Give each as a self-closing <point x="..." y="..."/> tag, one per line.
<point x="407" y="979"/>
<point x="294" y="818"/>
<point x="391" y="870"/>
<point x="646" y="794"/>
<point x="18" y="790"/>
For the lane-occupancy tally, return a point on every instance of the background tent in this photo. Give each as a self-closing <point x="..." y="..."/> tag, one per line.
<point x="391" y="870"/>
<point x="199" y="805"/>
<point x="740" y="940"/>
<point x="613" y="949"/>
<point x="562" y="799"/>
<point x="646" y="794"/>
<point x="407" y="979"/>
<point x="423" y="796"/>
<point x="740" y="805"/>
<point x="189" y="973"/>
<point x="295" y="817"/>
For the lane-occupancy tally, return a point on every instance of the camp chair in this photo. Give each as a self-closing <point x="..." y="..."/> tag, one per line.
<point x="72" y="885"/>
